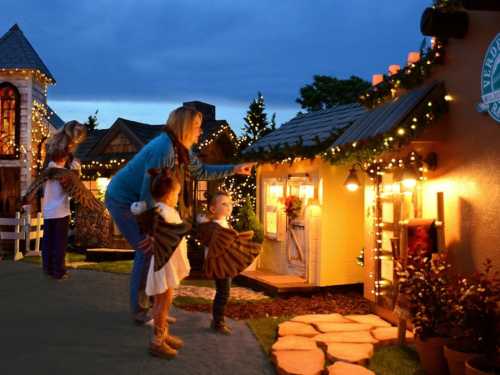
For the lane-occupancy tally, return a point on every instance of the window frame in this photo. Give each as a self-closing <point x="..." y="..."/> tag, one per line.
<point x="17" y="120"/>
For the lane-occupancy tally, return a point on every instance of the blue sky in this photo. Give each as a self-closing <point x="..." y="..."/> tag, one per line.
<point x="141" y="59"/>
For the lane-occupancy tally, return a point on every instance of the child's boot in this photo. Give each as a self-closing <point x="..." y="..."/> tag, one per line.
<point x="158" y="347"/>
<point x="174" y="341"/>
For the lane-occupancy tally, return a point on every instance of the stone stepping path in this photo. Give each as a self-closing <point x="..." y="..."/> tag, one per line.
<point x="308" y="343"/>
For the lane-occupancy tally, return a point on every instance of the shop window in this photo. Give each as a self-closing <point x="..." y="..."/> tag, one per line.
<point x="9" y="120"/>
<point x="273" y="197"/>
<point x="202" y="191"/>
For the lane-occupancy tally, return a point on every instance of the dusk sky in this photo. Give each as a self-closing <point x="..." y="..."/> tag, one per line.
<point x="141" y="59"/>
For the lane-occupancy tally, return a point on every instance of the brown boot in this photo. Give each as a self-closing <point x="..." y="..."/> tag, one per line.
<point x="174" y="342"/>
<point x="162" y="350"/>
<point x="158" y="347"/>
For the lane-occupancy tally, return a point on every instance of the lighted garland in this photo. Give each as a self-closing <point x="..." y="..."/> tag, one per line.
<point x="409" y="77"/>
<point x="362" y="151"/>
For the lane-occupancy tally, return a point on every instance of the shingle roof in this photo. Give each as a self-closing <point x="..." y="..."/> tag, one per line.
<point x="17" y="52"/>
<point x="386" y="117"/>
<point x="144" y="132"/>
<point x="54" y="119"/>
<point x="312" y="128"/>
<point x="92" y="138"/>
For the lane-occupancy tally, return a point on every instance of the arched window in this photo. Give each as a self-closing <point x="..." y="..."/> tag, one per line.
<point x="9" y="120"/>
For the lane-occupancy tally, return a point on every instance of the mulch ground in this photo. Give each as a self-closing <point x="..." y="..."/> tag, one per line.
<point x="320" y="303"/>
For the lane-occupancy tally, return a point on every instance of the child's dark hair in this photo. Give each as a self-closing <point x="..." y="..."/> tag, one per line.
<point x="162" y="182"/>
<point x="213" y="198"/>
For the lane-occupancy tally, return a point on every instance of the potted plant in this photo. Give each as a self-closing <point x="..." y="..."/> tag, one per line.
<point x="445" y="20"/>
<point x="424" y="290"/>
<point x="477" y="319"/>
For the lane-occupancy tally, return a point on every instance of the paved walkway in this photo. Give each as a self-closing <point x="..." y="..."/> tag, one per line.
<point x="82" y="326"/>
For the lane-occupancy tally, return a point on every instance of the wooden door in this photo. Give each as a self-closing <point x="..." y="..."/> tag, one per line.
<point x="297" y="248"/>
<point x="10" y="191"/>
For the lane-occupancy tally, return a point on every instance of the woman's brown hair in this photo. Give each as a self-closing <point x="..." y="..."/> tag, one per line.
<point x="162" y="182"/>
<point x="180" y="122"/>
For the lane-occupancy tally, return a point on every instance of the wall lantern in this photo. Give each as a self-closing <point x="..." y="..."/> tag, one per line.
<point x="352" y="182"/>
<point x="409" y="177"/>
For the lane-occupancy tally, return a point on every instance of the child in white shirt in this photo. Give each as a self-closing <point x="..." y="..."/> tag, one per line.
<point x="56" y="214"/>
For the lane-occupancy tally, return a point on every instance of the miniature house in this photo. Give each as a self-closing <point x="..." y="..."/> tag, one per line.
<point x="319" y="246"/>
<point x="446" y="174"/>
<point x="26" y="120"/>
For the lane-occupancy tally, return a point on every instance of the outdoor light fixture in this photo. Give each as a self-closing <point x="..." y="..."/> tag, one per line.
<point x="409" y="178"/>
<point x="352" y="181"/>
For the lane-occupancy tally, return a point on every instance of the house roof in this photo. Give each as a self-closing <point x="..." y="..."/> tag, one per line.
<point x="17" y="52"/>
<point x="310" y="129"/>
<point x="92" y="138"/>
<point x="54" y="119"/>
<point x="386" y="117"/>
<point x="138" y="132"/>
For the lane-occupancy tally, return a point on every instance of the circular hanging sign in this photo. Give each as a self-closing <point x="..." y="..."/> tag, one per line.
<point x="490" y="81"/>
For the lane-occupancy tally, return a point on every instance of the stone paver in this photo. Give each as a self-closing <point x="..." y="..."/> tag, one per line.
<point x="82" y="326"/>
<point x="348" y="341"/>
<point x="344" y="368"/>
<point x="296" y="329"/>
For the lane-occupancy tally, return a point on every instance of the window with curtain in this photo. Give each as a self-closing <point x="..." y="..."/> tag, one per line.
<point x="9" y="119"/>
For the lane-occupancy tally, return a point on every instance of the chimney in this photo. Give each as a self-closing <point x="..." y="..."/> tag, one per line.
<point x="207" y="110"/>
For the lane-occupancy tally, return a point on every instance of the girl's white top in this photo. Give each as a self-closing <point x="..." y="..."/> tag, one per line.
<point x="177" y="267"/>
<point x="55" y="203"/>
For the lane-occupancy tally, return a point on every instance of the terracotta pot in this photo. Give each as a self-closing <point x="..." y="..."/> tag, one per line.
<point x="456" y="360"/>
<point x="481" y="5"/>
<point x="431" y="355"/>
<point x="435" y="22"/>
<point x="478" y="365"/>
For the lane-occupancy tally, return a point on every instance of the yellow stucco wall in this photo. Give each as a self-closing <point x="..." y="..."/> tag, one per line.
<point x="468" y="147"/>
<point x="341" y="228"/>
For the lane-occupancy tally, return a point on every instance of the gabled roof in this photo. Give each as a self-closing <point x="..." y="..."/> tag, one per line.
<point x="388" y="116"/>
<point x="310" y="129"/>
<point x="92" y="138"/>
<point x="54" y="119"/>
<point x="17" y="52"/>
<point x="139" y="134"/>
<point x="143" y="132"/>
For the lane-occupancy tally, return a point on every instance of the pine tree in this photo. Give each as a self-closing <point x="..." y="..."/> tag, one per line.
<point x="243" y="188"/>
<point x="92" y="122"/>
<point x="256" y="123"/>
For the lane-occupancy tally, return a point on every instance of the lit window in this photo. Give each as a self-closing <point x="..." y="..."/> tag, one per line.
<point x="9" y="109"/>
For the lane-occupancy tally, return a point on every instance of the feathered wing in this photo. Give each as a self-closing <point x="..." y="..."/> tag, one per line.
<point x="166" y="236"/>
<point x="71" y="184"/>
<point x="92" y="220"/>
<point x="229" y="252"/>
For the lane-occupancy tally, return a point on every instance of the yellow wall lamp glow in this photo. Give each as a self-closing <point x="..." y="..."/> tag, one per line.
<point x="352" y="181"/>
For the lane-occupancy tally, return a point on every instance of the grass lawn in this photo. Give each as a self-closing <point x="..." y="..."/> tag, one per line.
<point x="266" y="330"/>
<point x="389" y="360"/>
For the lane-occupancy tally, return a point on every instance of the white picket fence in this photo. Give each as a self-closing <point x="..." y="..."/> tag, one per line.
<point x="25" y="228"/>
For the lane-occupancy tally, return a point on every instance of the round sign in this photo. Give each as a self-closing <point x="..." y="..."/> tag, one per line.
<point x="490" y="80"/>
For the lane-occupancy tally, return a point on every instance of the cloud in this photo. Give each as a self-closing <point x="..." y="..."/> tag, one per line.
<point x="228" y="50"/>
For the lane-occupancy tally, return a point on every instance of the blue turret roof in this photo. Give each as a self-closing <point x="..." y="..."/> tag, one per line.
<point x="16" y="52"/>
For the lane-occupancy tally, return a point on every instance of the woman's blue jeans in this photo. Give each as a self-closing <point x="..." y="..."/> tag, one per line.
<point x="129" y="228"/>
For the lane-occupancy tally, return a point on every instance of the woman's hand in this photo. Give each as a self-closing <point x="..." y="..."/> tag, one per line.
<point x="244" y="168"/>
